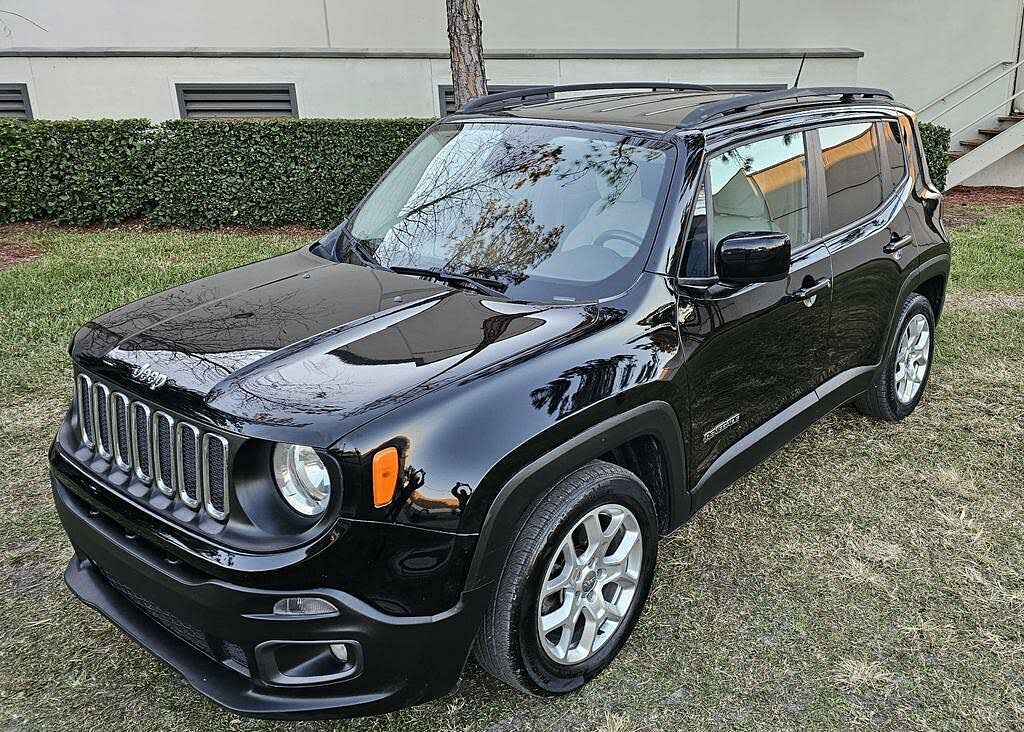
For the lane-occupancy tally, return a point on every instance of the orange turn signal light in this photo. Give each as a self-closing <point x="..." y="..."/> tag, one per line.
<point x="385" y="476"/>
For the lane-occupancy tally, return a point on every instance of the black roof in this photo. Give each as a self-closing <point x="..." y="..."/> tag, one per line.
<point x="659" y="108"/>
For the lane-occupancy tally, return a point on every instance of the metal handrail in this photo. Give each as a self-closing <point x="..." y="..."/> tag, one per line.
<point x="950" y="92"/>
<point x="978" y="91"/>
<point x="994" y="109"/>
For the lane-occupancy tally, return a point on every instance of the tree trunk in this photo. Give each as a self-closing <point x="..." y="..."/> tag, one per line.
<point x="464" y="36"/>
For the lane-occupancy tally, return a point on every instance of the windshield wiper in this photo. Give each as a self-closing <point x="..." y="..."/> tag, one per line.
<point x="480" y="284"/>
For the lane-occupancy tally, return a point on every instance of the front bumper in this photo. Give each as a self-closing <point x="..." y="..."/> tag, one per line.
<point x="209" y="629"/>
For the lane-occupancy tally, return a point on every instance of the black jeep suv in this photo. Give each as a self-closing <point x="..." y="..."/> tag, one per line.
<point x="561" y="323"/>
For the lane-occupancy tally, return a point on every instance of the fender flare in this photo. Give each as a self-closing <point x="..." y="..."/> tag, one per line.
<point x="510" y="506"/>
<point x="936" y="266"/>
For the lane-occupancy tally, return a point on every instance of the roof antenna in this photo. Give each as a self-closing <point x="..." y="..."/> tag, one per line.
<point x="800" y="71"/>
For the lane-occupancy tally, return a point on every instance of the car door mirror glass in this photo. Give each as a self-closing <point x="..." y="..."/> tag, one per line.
<point x="746" y="257"/>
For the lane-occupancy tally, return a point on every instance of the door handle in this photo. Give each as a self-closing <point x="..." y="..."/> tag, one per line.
<point x="809" y="293"/>
<point x="898" y="242"/>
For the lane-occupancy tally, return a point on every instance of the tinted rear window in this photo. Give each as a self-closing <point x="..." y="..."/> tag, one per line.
<point x="853" y="173"/>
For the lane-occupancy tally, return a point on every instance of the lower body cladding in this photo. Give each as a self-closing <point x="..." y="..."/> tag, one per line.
<point x="228" y="643"/>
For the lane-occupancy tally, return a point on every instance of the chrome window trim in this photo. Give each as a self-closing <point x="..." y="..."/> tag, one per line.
<point x="179" y="436"/>
<point x="100" y="393"/>
<point x="123" y="461"/>
<point x="134" y="444"/>
<point x="156" y="460"/>
<point x="210" y="508"/>
<point x="83" y="385"/>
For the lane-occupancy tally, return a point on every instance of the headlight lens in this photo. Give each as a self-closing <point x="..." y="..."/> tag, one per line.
<point x="302" y="478"/>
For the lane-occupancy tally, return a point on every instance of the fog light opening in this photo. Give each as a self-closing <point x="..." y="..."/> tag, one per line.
<point x="306" y="663"/>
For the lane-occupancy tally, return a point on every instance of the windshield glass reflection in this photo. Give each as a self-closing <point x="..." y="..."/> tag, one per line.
<point x="540" y="210"/>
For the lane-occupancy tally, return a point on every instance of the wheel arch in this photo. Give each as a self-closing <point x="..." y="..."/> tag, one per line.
<point x="928" y="280"/>
<point x="624" y="439"/>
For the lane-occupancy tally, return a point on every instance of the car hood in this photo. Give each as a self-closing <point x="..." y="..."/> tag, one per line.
<point x="302" y="349"/>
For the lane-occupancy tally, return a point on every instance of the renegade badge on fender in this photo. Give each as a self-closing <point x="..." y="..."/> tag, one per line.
<point x="561" y="323"/>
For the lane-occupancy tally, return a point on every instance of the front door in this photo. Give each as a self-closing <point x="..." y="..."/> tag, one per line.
<point x="752" y="350"/>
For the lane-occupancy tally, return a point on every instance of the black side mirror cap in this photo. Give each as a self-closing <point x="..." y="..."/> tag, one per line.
<point x="753" y="256"/>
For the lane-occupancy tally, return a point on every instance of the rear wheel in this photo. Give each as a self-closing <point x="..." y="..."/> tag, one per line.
<point x="900" y="380"/>
<point x="575" y="582"/>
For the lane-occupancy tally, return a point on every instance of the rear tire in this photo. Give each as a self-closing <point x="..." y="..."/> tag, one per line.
<point x="900" y="380"/>
<point x="555" y="570"/>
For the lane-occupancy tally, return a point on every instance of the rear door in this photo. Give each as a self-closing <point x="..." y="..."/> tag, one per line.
<point x="868" y="233"/>
<point x="751" y="351"/>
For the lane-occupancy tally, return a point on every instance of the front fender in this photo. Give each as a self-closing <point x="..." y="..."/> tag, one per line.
<point x="509" y="508"/>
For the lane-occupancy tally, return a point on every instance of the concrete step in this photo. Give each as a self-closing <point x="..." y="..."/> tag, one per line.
<point x="991" y="131"/>
<point x="956" y="154"/>
<point x="1012" y="118"/>
<point x="976" y="142"/>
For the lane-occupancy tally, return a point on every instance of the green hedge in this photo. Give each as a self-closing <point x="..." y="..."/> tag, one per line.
<point x="194" y="174"/>
<point x="74" y="172"/>
<point x="936" y="150"/>
<point x="209" y="173"/>
<point x="271" y="172"/>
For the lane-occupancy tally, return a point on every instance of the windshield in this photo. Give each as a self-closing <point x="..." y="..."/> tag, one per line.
<point x="543" y="213"/>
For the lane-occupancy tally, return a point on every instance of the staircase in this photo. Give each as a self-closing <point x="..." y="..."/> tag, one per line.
<point x="998" y="130"/>
<point x="986" y="134"/>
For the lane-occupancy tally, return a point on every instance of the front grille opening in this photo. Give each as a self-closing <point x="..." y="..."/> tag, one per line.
<point x="85" y="410"/>
<point x="122" y="431"/>
<point x="164" y="454"/>
<point x="188" y="459"/>
<point x="216" y="454"/>
<point x="141" y="445"/>
<point x="101" y="413"/>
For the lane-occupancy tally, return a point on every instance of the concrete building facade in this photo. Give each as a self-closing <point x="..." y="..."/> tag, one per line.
<point x="388" y="58"/>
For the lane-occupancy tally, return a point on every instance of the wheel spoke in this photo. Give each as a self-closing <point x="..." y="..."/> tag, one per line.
<point x="559" y="616"/>
<point x="595" y="539"/>
<point x="554" y="584"/>
<point x="622" y="551"/>
<point x="591" y="624"/>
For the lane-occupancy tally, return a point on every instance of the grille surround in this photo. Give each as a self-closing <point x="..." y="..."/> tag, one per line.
<point x="171" y="455"/>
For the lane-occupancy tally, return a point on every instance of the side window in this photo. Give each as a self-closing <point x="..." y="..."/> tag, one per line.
<point x="761" y="187"/>
<point x="853" y="172"/>
<point x="893" y="139"/>
<point x="907" y="128"/>
<point x="696" y="262"/>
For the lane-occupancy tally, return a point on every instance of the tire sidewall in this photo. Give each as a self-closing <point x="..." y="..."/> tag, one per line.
<point x="543" y="675"/>
<point x="917" y="306"/>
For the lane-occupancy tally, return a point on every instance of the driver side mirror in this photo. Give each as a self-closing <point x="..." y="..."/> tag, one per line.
<point x="746" y="257"/>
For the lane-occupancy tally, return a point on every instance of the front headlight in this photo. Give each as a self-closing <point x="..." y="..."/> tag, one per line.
<point x="302" y="478"/>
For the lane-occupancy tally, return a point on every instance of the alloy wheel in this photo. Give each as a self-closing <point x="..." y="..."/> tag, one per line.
<point x="589" y="585"/>
<point x="911" y="364"/>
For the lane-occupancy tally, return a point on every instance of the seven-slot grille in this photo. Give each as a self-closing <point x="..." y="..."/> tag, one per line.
<point x="177" y="457"/>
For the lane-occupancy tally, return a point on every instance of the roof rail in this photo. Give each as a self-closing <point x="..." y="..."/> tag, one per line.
<point x="743" y="103"/>
<point x="491" y="100"/>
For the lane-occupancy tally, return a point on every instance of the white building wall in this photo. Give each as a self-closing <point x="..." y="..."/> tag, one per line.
<point x="387" y="57"/>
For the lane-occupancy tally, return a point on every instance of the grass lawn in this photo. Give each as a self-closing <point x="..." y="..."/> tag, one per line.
<point x="869" y="575"/>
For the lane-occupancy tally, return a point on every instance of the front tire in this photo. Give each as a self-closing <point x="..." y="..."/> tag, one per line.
<point x="900" y="380"/>
<point x="575" y="582"/>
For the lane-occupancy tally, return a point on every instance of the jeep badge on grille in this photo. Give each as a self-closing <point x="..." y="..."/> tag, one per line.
<point x="148" y="376"/>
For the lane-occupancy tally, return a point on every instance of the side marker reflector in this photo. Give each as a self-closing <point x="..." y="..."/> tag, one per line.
<point x="385" y="476"/>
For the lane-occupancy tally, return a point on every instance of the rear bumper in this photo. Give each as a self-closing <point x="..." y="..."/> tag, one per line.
<point x="210" y="630"/>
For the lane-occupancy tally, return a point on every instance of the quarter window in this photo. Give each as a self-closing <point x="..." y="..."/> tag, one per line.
<point x="761" y="187"/>
<point x="894" y="152"/>
<point x="695" y="256"/>
<point x="853" y="172"/>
